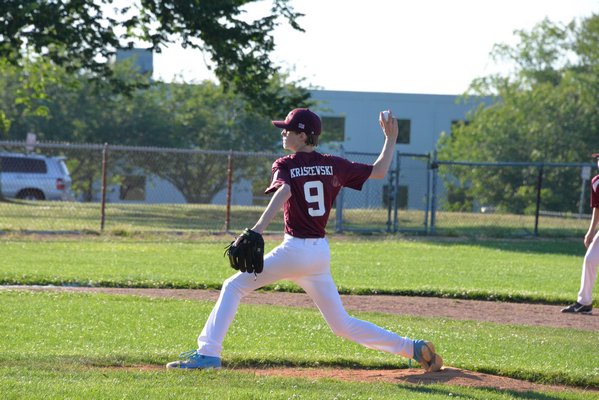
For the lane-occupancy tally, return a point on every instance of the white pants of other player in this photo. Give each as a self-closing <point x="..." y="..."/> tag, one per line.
<point x="307" y="263"/>
<point x="589" y="273"/>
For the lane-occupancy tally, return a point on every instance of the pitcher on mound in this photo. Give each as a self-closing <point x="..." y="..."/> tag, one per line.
<point x="305" y="184"/>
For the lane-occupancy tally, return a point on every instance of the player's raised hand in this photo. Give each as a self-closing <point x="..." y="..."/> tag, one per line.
<point x="388" y="124"/>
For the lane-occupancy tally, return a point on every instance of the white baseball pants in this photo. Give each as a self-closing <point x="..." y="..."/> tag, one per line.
<point x="307" y="263"/>
<point x="589" y="272"/>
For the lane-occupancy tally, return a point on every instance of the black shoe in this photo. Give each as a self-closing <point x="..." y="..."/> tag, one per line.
<point x="578" y="308"/>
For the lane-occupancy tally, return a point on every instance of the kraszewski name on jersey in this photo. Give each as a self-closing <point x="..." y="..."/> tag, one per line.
<point x="315" y="170"/>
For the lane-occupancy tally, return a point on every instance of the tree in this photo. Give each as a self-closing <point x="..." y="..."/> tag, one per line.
<point x="546" y="111"/>
<point x="22" y="94"/>
<point x="183" y="116"/>
<point x="74" y="108"/>
<point x="85" y="35"/>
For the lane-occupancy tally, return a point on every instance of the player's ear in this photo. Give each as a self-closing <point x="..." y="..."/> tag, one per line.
<point x="305" y="137"/>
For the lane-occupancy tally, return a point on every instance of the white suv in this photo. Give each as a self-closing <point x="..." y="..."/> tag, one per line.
<point x="34" y="177"/>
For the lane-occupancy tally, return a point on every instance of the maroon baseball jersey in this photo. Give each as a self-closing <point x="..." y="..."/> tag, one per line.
<point x="595" y="192"/>
<point x="315" y="180"/>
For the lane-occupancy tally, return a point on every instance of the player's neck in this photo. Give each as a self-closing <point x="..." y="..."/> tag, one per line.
<point x="306" y="148"/>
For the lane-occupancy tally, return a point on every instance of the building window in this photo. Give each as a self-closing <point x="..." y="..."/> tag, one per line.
<point x="405" y="128"/>
<point x="458" y="122"/>
<point x="333" y="129"/>
<point x="402" y="196"/>
<point x="133" y="188"/>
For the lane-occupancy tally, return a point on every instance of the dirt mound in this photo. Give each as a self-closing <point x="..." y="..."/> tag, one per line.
<point x="449" y="376"/>
<point x="416" y="376"/>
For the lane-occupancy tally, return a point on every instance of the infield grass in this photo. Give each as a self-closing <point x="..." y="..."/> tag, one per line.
<point x="59" y="345"/>
<point x="546" y="271"/>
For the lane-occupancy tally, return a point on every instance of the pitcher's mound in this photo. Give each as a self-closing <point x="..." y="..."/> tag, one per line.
<point x="447" y="375"/>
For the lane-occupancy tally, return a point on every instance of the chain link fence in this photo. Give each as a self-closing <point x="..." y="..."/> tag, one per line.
<point x="510" y="199"/>
<point x="129" y="189"/>
<point x="398" y="203"/>
<point x="120" y="188"/>
<point x="360" y="211"/>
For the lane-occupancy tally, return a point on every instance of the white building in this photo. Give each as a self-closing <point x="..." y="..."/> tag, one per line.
<point x="352" y="119"/>
<point x="422" y="117"/>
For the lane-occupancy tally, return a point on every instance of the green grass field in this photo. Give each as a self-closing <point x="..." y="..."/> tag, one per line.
<point x="76" y="344"/>
<point x="546" y="271"/>
<point x="60" y="345"/>
<point x="126" y="218"/>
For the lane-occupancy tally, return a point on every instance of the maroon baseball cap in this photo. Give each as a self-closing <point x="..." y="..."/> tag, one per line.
<point x="594" y="155"/>
<point x="300" y="120"/>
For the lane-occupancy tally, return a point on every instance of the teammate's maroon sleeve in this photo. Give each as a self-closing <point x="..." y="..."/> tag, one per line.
<point x="595" y="192"/>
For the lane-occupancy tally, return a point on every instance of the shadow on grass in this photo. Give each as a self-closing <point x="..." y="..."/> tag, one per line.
<point x="480" y="393"/>
<point x="568" y="247"/>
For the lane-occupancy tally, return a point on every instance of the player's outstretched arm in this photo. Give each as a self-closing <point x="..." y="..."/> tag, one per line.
<point x="276" y="203"/>
<point x="390" y="129"/>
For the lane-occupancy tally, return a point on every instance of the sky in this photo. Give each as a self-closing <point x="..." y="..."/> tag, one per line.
<point x="395" y="46"/>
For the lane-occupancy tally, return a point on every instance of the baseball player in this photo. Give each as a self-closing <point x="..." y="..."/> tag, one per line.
<point x="584" y="303"/>
<point x="305" y="184"/>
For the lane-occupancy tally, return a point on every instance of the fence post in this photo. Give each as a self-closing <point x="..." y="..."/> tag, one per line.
<point x="339" y="205"/>
<point x="339" y="212"/>
<point x="435" y="169"/>
<point x="428" y="195"/>
<point x="1" y="196"/>
<point x="104" y="172"/>
<point x="229" y="190"/>
<point x="585" y="174"/>
<point x="396" y="191"/>
<point x="537" y="211"/>
<point x="390" y="198"/>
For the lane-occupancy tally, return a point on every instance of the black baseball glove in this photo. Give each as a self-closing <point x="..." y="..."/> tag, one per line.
<point x="246" y="253"/>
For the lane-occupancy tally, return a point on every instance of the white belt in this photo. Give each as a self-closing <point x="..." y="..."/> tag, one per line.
<point x="304" y="240"/>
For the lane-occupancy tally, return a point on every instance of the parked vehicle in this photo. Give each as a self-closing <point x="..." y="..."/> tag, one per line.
<point x="34" y="177"/>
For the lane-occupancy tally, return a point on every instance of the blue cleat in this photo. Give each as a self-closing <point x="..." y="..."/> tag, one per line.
<point x="193" y="360"/>
<point x="424" y="354"/>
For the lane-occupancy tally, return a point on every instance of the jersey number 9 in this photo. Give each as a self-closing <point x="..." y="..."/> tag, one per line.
<point x="314" y="193"/>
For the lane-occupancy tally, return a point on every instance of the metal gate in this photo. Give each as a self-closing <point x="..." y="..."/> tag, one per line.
<point x="398" y="203"/>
